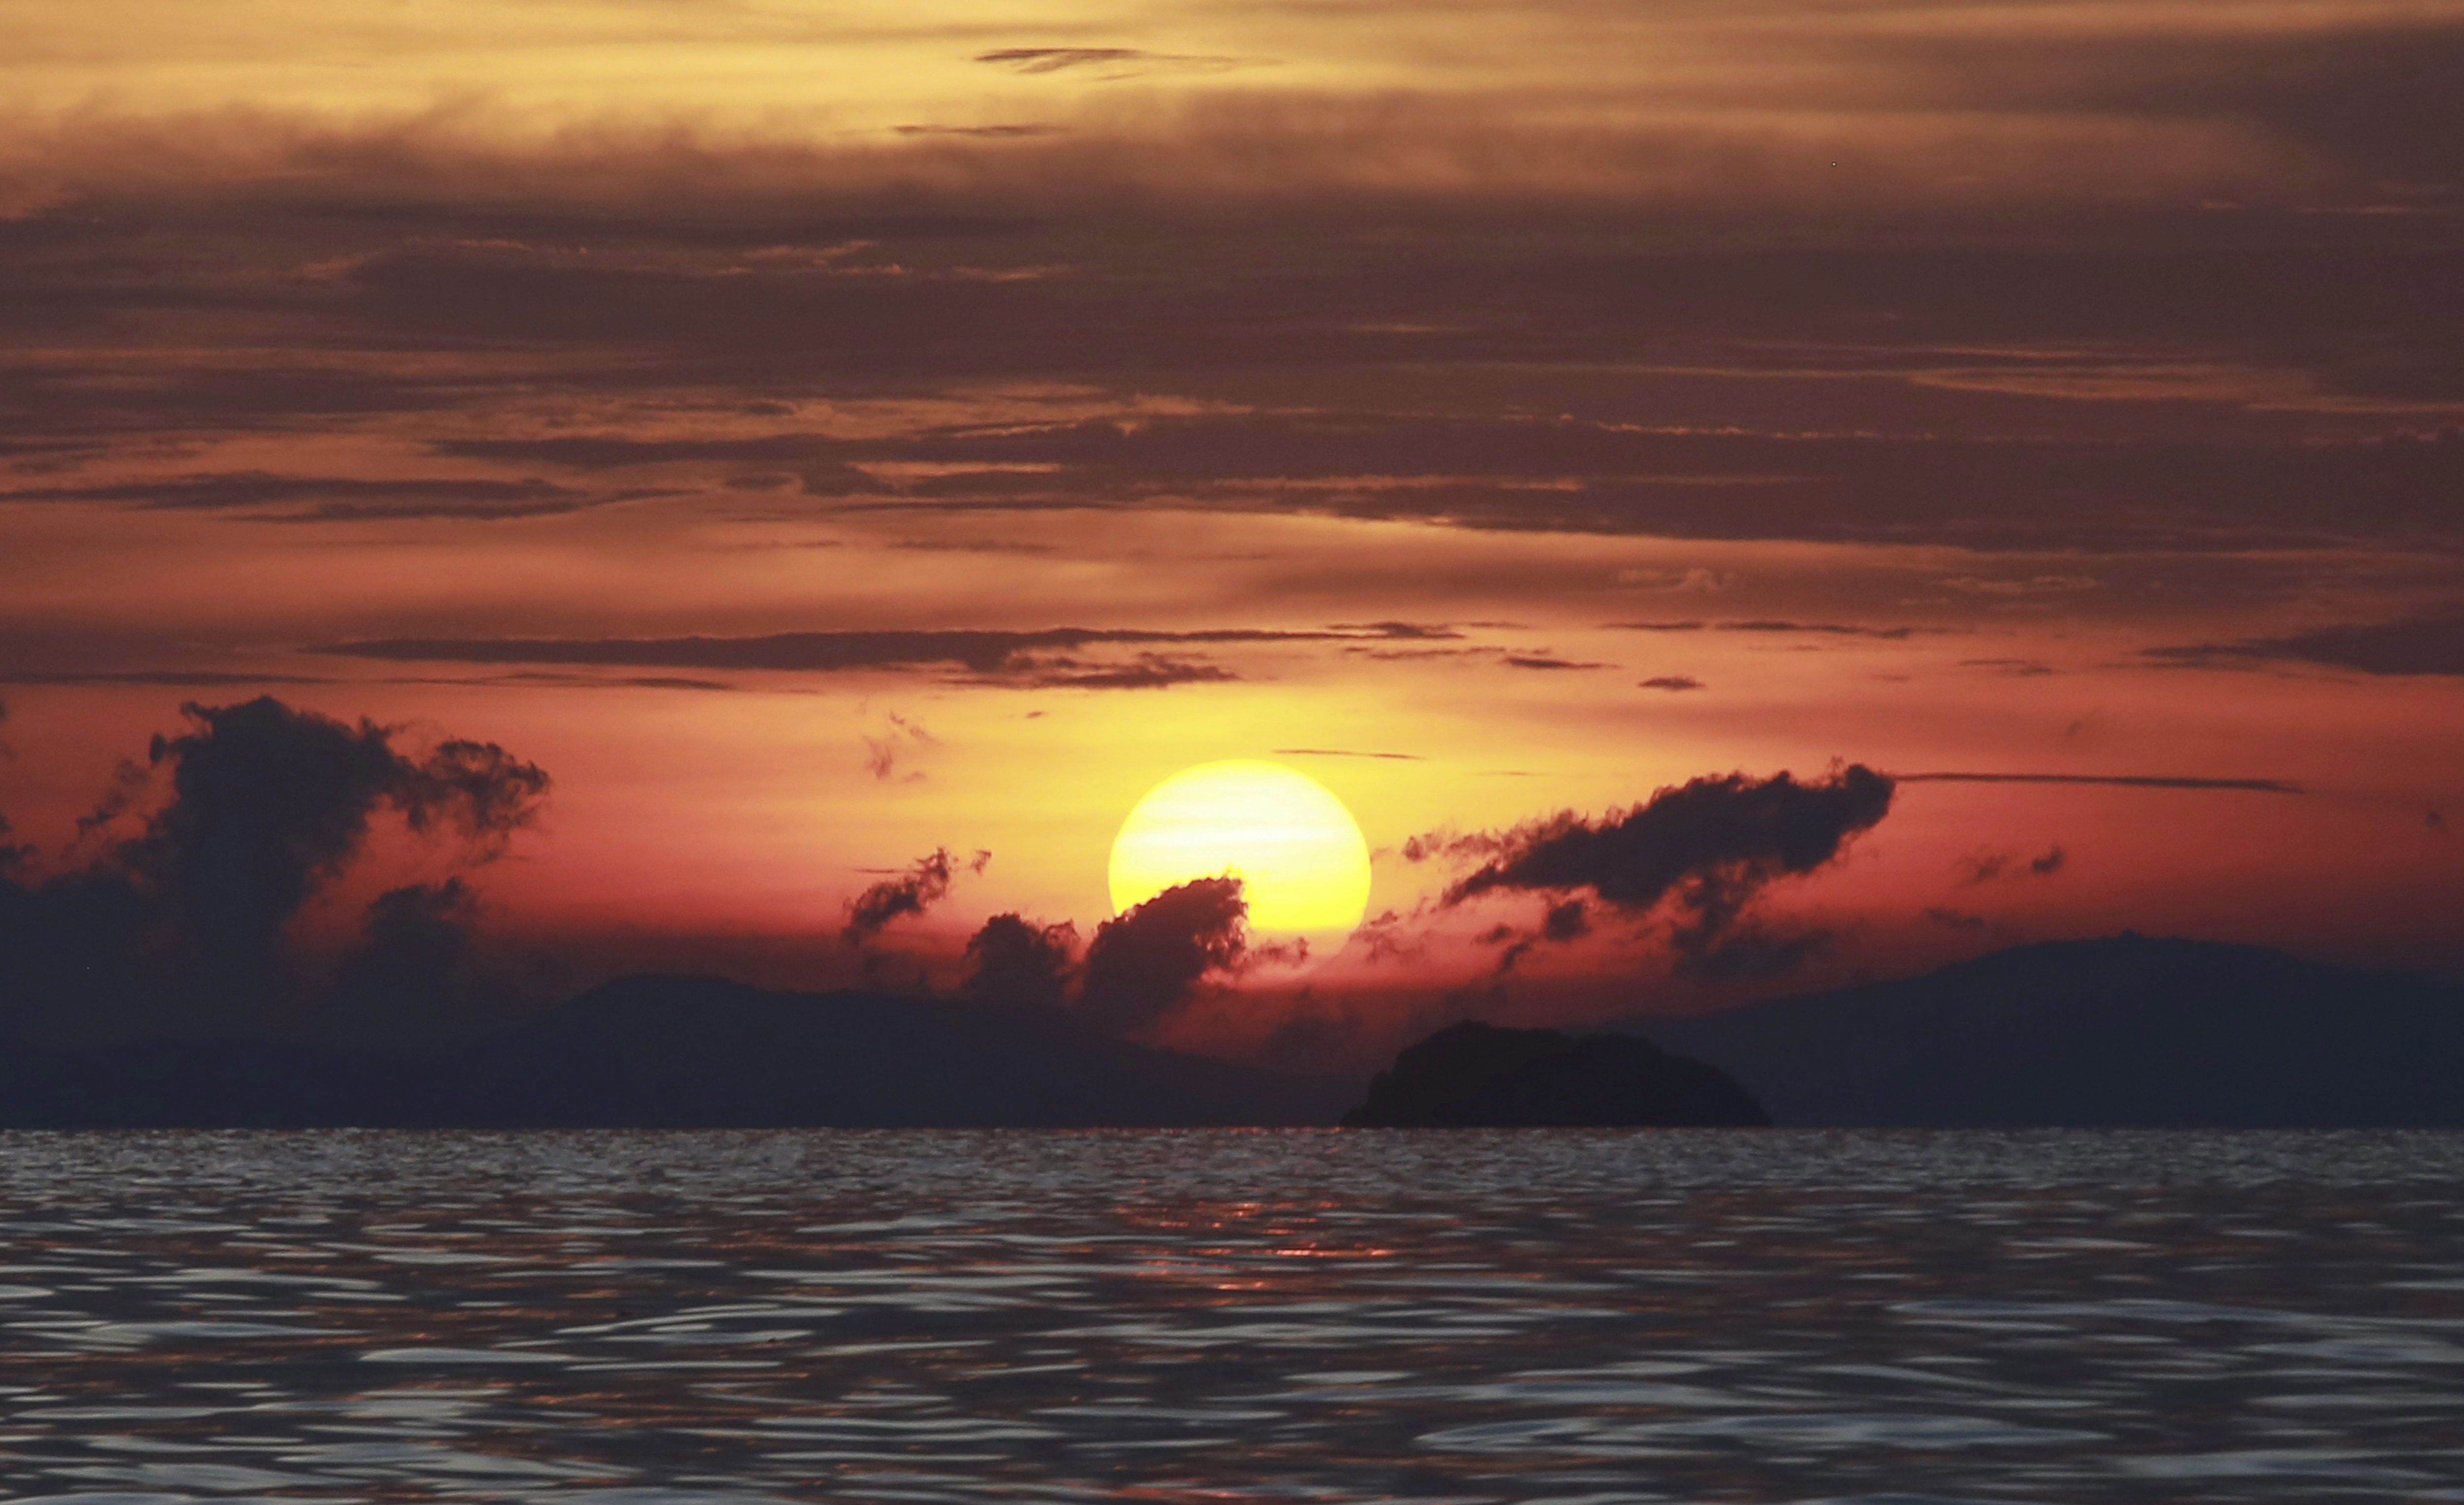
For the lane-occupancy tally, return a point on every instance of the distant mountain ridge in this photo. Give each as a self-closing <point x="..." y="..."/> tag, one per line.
<point x="667" y="1052"/>
<point x="2127" y="1032"/>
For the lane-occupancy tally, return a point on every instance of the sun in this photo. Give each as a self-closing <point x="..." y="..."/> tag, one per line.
<point x="1297" y="851"/>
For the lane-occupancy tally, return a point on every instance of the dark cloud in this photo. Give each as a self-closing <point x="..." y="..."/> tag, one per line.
<point x="1145" y="671"/>
<point x="969" y="546"/>
<point x="1543" y="661"/>
<point x="2010" y="668"/>
<point x="1146" y="962"/>
<point x="1940" y="382"/>
<point x="1986" y="867"/>
<point x="1345" y="752"/>
<point x="2127" y="781"/>
<point x="1015" y="132"/>
<point x="540" y="679"/>
<point x="1112" y="62"/>
<point x="1020" y="962"/>
<point x="1825" y="628"/>
<point x="164" y="679"/>
<point x="2377" y="92"/>
<point x="1671" y="682"/>
<point x="476" y="788"/>
<point x="1409" y="631"/>
<point x="1713" y="845"/>
<point x="1728" y="480"/>
<point x="1633" y="859"/>
<point x="924" y="884"/>
<point x="2422" y="645"/>
<point x="181" y="925"/>
<point x="1817" y="629"/>
<point x="415" y="977"/>
<point x="981" y="652"/>
<point x="1391" y="936"/>
<point x="1565" y="921"/>
<point x="882" y="753"/>
<point x="328" y="498"/>
<point x="659" y="682"/>
<point x="1961" y="459"/>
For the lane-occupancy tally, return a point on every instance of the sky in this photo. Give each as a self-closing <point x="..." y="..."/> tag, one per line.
<point x="793" y="441"/>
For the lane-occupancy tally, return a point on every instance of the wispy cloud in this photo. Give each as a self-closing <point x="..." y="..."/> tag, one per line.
<point x="2130" y="780"/>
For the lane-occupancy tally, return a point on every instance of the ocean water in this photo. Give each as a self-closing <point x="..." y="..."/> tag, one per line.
<point x="1570" y="1316"/>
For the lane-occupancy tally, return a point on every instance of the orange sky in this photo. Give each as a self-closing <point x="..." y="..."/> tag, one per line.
<point x="2061" y="389"/>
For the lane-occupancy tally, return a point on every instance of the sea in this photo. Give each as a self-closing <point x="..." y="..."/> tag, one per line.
<point x="1573" y="1317"/>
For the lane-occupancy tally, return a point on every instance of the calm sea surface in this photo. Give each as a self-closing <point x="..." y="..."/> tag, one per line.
<point x="676" y="1318"/>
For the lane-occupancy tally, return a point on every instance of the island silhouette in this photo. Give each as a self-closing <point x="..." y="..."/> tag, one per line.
<point x="1476" y="1075"/>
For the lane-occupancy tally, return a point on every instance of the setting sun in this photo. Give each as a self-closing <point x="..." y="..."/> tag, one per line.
<point x="1303" y="865"/>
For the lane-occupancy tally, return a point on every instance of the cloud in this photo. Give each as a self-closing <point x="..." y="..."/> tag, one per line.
<point x="1013" y="132"/>
<point x="329" y="499"/>
<point x="1633" y="859"/>
<point x="984" y="651"/>
<point x="1696" y="580"/>
<point x="924" y="884"/>
<point x="1020" y="962"/>
<point x="2032" y="585"/>
<point x="882" y="753"/>
<point x="2010" y="668"/>
<point x="1543" y="661"/>
<point x="1712" y="845"/>
<point x="1671" y="682"/>
<point x="1986" y="867"/>
<point x="1146" y="962"/>
<point x="268" y="804"/>
<point x="2420" y="645"/>
<point x="2127" y="491"/>
<point x="2126" y="781"/>
<point x="1825" y="628"/>
<point x="1112" y="62"/>
<point x="1345" y="752"/>
<point x="415" y="977"/>
<point x="1145" y="671"/>
<point x="180" y="925"/>
<point x="1818" y="628"/>
<point x="476" y="788"/>
<point x="1565" y="921"/>
<point x="164" y="679"/>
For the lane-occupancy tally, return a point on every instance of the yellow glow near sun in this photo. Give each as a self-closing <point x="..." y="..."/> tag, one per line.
<point x="1299" y="854"/>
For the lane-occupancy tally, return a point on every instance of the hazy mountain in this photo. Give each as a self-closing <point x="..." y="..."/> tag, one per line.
<point x="658" y="1052"/>
<point x="2125" y="1031"/>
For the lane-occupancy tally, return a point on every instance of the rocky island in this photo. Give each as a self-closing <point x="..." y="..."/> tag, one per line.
<point x="1482" y="1076"/>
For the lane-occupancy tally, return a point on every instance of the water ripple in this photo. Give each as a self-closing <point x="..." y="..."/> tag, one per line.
<point x="1176" y="1318"/>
